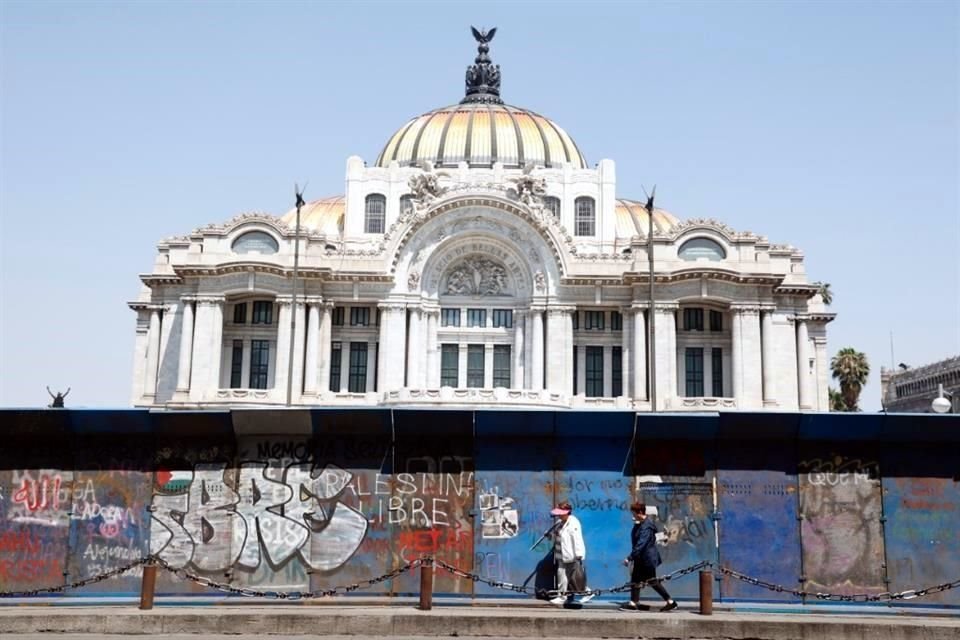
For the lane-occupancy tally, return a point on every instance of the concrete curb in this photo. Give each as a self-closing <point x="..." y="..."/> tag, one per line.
<point x="454" y="621"/>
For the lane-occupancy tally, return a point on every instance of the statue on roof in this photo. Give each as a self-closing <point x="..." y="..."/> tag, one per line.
<point x="530" y="189"/>
<point x="58" y="398"/>
<point x="483" y="77"/>
<point x="425" y="187"/>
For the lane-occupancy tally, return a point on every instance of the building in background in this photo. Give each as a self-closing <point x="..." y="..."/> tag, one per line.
<point x="480" y="260"/>
<point x="912" y="390"/>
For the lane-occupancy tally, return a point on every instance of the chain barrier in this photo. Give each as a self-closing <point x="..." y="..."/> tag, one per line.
<point x="507" y="586"/>
<point x="75" y="585"/>
<point x="909" y="594"/>
<point x="290" y="595"/>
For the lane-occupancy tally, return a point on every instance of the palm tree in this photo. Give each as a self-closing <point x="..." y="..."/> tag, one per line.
<point x="850" y="368"/>
<point x="836" y="400"/>
<point x="823" y="288"/>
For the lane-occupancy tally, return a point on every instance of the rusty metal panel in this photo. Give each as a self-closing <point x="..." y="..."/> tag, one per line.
<point x="921" y="501"/>
<point x="36" y="480"/>
<point x="593" y="474"/>
<point x="841" y="532"/>
<point x="112" y="488"/>
<point x="514" y="467"/>
<point x="432" y="496"/>
<point x="675" y="479"/>
<point x="757" y="487"/>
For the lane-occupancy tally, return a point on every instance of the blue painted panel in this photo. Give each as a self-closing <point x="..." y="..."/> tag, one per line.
<point x="593" y="475"/>
<point x="757" y="488"/>
<point x="830" y="427"/>
<point x="514" y="457"/>
<point x="921" y="502"/>
<point x="676" y="478"/>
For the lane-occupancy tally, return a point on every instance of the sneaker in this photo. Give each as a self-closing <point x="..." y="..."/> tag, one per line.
<point x="559" y="600"/>
<point x="670" y="606"/>
<point x="587" y="598"/>
<point x="628" y="606"/>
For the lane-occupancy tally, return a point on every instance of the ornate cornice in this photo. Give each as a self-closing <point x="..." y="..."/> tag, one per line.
<point x="160" y="279"/>
<point x="560" y="310"/>
<point x="720" y="275"/>
<point x="138" y="305"/>
<point x="225" y="268"/>
<point x="392" y="306"/>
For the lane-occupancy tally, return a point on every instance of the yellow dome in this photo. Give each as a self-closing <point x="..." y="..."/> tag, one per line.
<point x="481" y="134"/>
<point x="632" y="219"/>
<point x="322" y="216"/>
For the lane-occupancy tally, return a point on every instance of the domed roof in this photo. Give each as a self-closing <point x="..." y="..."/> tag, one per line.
<point x="632" y="219"/>
<point x="481" y="130"/>
<point x="481" y="134"/>
<point x="323" y="216"/>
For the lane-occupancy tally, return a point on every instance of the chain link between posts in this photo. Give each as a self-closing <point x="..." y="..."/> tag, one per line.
<point x="496" y="584"/>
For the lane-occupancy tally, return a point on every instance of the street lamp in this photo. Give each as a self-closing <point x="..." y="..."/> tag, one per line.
<point x="943" y="403"/>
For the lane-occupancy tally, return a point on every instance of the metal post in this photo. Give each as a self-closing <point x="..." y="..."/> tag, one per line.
<point x="426" y="584"/>
<point x="293" y="303"/>
<point x="147" y="585"/>
<point x="652" y="365"/>
<point x="706" y="592"/>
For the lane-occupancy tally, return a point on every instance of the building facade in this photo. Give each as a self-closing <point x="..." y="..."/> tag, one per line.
<point x="479" y="261"/>
<point x="913" y="390"/>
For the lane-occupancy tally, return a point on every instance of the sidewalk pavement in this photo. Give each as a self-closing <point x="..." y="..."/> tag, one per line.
<point x="458" y="617"/>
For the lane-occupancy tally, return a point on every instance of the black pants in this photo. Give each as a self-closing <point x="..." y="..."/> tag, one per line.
<point x="640" y="573"/>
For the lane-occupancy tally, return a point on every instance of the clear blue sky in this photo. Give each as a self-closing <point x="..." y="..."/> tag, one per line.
<point x="832" y="126"/>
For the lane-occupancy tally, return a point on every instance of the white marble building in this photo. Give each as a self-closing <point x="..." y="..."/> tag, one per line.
<point x="479" y="261"/>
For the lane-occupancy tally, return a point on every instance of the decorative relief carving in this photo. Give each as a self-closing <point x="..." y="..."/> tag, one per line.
<point x="539" y="282"/>
<point x="477" y="276"/>
<point x="413" y="280"/>
<point x="425" y="186"/>
<point x="528" y="188"/>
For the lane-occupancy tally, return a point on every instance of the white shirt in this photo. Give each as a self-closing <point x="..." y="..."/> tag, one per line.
<point x="569" y="541"/>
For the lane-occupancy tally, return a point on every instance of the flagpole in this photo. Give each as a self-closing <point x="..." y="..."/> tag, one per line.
<point x="651" y="334"/>
<point x="293" y="301"/>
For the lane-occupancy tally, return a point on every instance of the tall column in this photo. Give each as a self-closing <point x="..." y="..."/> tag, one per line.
<point x="736" y="355"/>
<point x="325" y="338"/>
<point x="299" y="348"/>
<point x="153" y="353"/>
<point x="581" y="370"/>
<point x="313" y="347"/>
<point x="536" y="379"/>
<point x="803" y="365"/>
<point x="625" y="373"/>
<point x="516" y="380"/>
<point x="383" y="362"/>
<point x="559" y="347"/>
<point x="766" y="348"/>
<point x="207" y="338"/>
<point x="186" y="345"/>
<point x="666" y="364"/>
<point x="639" y="354"/>
<point x="345" y="366"/>
<point x="393" y="345"/>
<point x="567" y="325"/>
<point x="371" y="365"/>
<point x="415" y="350"/>
<point x="462" y="365"/>
<point x="283" y="347"/>
<point x="607" y="371"/>
<point x="433" y="350"/>
<point x="216" y="346"/>
<point x="488" y="365"/>
<point x="820" y="387"/>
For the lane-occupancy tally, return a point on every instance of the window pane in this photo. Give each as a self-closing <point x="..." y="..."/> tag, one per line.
<point x="259" y="363"/>
<point x="576" y="368"/>
<point x="594" y="372"/>
<point x="694" y="366"/>
<point x="236" y="365"/>
<point x="693" y="319"/>
<point x="335" y="366"/>
<point x="701" y="248"/>
<point x="503" y="318"/>
<point x="450" y="317"/>
<point x="375" y="213"/>
<point x="357" y="383"/>
<point x="475" y="365"/>
<point x="616" y="367"/>
<point x="337" y="319"/>
<point x="262" y="312"/>
<point x="584" y="217"/>
<point x="240" y="313"/>
<point x="450" y="365"/>
<point x="576" y="320"/>
<point x="359" y="316"/>
<point x="406" y="204"/>
<point x="616" y="321"/>
<point x="501" y="365"/>
<point x="716" y="320"/>
<point x="552" y="204"/>
<point x="716" y="371"/>
<point x="594" y="320"/>
<point x="476" y="317"/>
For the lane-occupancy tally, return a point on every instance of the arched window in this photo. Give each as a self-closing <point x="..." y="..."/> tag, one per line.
<point x="406" y="204"/>
<point x="552" y="204"/>
<point x="255" y="242"/>
<point x="375" y="213"/>
<point x="698" y="248"/>
<point x="586" y="217"/>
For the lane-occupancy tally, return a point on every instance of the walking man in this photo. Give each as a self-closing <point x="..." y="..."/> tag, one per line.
<point x="570" y="552"/>
<point x="645" y="558"/>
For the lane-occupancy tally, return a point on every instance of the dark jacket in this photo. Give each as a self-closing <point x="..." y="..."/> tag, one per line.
<point x="643" y="540"/>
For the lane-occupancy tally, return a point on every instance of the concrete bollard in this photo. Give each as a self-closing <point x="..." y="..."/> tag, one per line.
<point x="426" y="584"/>
<point x="147" y="585"/>
<point x="706" y="592"/>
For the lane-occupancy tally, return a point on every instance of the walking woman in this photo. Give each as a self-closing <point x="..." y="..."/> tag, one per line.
<point x="645" y="558"/>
